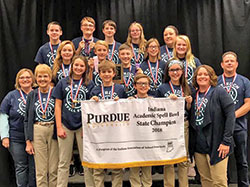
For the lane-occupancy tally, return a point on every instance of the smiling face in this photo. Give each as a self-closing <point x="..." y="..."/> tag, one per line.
<point x="153" y="49"/>
<point x="181" y="47"/>
<point x="78" y="67"/>
<point x="125" y="56"/>
<point x="203" y="79"/>
<point x="43" y="80"/>
<point x="108" y="31"/>
<point x="102" y="52"/>
<point x="229" y="64"/>
<point x="169" y="37"/>
<point x="135" y="32"/>
<point x="87" y="28"/>
<point x="107" y="75"/>
<point x="67" y="52"/>
<point x="142" y="86"/>
<point x="25" y="80"/>
<point x="175" y="72"/>
<point x="54" y="32"/>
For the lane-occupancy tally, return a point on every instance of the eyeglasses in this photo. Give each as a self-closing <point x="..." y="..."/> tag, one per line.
<point x="142" y="83"/>
<point x="136" y="30"/>
<point x="88" y="25"/>
<point x="22" y="78"/>
<point x="175" y="70"/>
<point x="153" y="47"/>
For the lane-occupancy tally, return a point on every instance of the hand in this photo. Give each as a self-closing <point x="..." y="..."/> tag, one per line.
<point x="139" y="71"/>
<point x="116" y="98"/>
<point x="81" y="45"/>
<point x="95" y="98"/>
<point x="189" y="99"/>
<point x="29" y="148"/>
<point x="61" y="133"/>
<point x="173" y="96"/>
<point x="6" y="142"/>
<point x="223" y="150"/>
<point x="91" y="44"/>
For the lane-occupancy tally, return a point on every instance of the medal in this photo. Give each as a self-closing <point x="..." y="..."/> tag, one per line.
<point x="172" y="88"/>
<point x="126" y="90"/>
<point x="112" y="91"/>
<point x="155" y="78"/>
<point x="129" y="78"/>
<point x="52" y="51"/>
<point x="74" y="97"/>
<point x="224" y="82"/>
<point x="134" y="56"/>
<point x="111" y="53"/>
<point x="198" y="106"/>
<point x="86" y="46"/>
<point x="44" y="108"/>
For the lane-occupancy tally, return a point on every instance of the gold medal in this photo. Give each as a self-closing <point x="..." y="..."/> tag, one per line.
<point x="126" y="90"/>
<point x="197" y="113"/>
<point x="75" y="101"/>
<point x="155" y="86"/>
<point x="44" y="116"/>
<point x="72" y="105"/>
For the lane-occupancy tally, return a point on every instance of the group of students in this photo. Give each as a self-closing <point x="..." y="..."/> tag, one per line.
<point x="42" y="116"/>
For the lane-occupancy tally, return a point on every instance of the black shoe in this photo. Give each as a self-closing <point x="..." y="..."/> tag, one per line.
<point x="81" y="172"/>
<point x="72" y="170"/>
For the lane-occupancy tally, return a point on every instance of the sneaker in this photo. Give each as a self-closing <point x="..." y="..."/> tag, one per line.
<point x="72" y="170"/>
<point x="81" y="172"/>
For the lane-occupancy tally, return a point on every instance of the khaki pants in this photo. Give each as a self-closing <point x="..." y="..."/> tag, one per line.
<point x="46" y="156"/>
<point x="116" y="177"/>
<point x="169" y="172"/>
<point x="211" y="175"/>
<point x="137" y="180"/>
<point x="65" y="155"/>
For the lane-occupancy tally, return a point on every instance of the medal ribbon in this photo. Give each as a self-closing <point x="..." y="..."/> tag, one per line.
<point x="172" y="89"/>
<point x="87" y="47"/>
<point x="22" y="96"/>
<point x="224" y="82"/>
<point x="74" y="98"/>
<point x="52" y="51"/>
<point x="130" y="75"/>
<point x="197" y="99"/>
<point x="63" y="69"/>
<point x="112" y="91"/>
<point x="136" y="58"/>
<point x="110" y="56"/>
<point x="155" y="78"/>
<point x="168" y="53"/>
<point x="186" y="68"/>
<point x="47" y="100"/>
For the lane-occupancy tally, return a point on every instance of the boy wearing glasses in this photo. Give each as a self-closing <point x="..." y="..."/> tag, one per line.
<point x="86" y="43"/>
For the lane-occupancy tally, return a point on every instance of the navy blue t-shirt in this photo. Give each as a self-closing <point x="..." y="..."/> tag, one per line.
<point x="114" y="53"/>
<point x="136" y="59"/>
<point x="201" y="143"/>
<point x="128" y="77"/>
<point x="71" y="112"/>
<point x="84" y="52"/>
<point x="61" y="75"/>
<point x="14" y="106"/>
<point x="191" y="69"/>
<point x="49" y="115"/>
<point x="118" y="91"/>
<point x="96" y="78"/>
<point x="166" y="53"/>
<point x="240" y="90"/>
<point x="146" y="70"/>
<point x="45" y="56"/>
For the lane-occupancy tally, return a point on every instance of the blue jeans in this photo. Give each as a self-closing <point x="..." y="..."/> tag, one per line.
<point x="240" y="152"/>
<point x="24" y="165"/>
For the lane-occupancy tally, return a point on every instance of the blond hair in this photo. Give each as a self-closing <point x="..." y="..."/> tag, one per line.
<point x="18" y="75"/>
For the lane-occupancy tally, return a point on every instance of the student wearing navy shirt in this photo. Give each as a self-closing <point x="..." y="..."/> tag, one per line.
<point x="174" y="86"/>
<point x="68" y="93"/>
<point x="129" y="71"/>
<point x="108" y="90"/>
<point x="12" y="112"/>
<point x="152" y="65"/>
<point x="238" y="87"/>
<point x="109" y="30"/>
<point x="183" y="51"/>
<point x="212" y="122"/>
<point x="85" y="44"/>
<point x="63" y="60"/>
<point x="47" y="52"/>
<point x="137" y="41"/>
<point x="169" y="35"/>
<point x="39" y="128"/>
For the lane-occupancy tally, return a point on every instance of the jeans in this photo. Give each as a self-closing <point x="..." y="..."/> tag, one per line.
<point x="240" y="152"/>
<point x="24" y="165"/>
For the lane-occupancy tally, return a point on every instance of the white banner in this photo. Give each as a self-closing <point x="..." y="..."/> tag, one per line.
<point x="133" y="132"/>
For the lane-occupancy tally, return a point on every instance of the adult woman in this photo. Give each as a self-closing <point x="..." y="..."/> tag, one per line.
<point x="61" y="67"/>
<point x="152" y="66"/>
<point x="137" y="41"/>
<point x="39" y="128"/>
<point x="68" y="93"/>
<point x="211" y="127"/>
<point x="183" y="51"/>
<point x="12" y="127"/>
<point x="169" y="35"/>
<point x="174" y="86"/>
